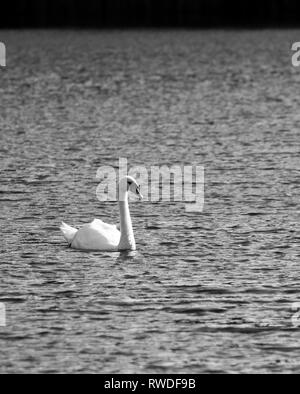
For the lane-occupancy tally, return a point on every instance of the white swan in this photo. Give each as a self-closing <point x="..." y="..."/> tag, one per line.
<point x="99" y="236"/>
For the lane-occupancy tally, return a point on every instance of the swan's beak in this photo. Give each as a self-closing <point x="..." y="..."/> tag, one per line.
<point x="139" y="193"/>
<point x="141" y="196"/>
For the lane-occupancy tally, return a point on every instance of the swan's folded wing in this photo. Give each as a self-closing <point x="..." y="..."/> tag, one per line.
<point x="105" y="226"/>
<point x="97" y="236"/>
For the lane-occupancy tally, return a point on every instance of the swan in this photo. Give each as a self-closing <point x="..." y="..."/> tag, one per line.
<point x="99" y="236"/>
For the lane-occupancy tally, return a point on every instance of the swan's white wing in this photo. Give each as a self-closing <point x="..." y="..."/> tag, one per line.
<point x="97" y="236"/>
<point x="99" y="223"/>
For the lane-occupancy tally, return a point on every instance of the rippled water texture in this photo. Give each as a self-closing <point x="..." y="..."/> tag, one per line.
<point x="210" y="292"/>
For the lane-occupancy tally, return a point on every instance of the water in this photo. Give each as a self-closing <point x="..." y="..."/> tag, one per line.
<point x="210" y="292"/>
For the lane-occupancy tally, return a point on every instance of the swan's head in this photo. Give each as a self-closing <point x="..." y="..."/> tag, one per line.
<point x="132" y="186"/>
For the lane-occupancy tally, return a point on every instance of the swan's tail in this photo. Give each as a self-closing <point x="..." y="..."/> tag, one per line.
<point x="68" y="232"/>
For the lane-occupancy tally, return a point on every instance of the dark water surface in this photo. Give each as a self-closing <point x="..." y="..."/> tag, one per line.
<point x="210" y="292"/>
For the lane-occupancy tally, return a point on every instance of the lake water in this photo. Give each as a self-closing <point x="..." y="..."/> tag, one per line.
<point x="208" y="292"/>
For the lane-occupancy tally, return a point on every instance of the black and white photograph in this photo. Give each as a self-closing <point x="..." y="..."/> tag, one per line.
<point x="149" y="190"/>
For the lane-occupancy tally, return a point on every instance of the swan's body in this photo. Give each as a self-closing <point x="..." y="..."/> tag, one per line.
<point x="94" y="236"/>
<point x="99" y="236"/>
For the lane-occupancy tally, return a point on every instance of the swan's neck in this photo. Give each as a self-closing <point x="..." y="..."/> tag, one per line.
<point x="127" y="241"/>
